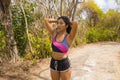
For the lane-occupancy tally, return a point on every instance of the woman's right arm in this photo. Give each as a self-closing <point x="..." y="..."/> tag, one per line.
<point x="49" y="26"/>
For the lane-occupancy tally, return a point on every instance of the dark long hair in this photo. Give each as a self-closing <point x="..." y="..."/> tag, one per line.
<point x="67" y="22"/>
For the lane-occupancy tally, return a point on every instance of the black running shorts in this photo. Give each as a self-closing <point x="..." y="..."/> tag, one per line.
<point x="60" y="65"/>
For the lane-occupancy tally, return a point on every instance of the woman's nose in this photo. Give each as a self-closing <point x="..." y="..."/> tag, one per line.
<point x="58" y="25"/>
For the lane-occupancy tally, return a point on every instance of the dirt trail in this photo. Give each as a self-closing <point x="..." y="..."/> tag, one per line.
<point x="99" y="61"/>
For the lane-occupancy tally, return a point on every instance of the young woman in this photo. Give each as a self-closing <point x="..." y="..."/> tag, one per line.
<point x="63" y="37"/>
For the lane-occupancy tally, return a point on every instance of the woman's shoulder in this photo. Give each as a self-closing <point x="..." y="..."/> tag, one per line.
<point x="54" y="34"/>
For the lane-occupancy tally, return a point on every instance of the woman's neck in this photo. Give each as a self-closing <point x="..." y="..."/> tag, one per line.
<point x="61" y="33"/>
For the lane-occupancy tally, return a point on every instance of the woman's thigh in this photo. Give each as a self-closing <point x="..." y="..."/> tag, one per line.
<point x="55" y="75"/>
<point x="65" y="75"/>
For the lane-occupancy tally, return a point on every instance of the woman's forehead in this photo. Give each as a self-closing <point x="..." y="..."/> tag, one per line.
<point x="60" y="20"/>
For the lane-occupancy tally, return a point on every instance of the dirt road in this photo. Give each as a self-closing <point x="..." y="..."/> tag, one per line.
<point x="100" y="61"/>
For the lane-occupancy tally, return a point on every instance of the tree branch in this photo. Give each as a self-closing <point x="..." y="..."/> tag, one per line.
<point x="27" y="31"/>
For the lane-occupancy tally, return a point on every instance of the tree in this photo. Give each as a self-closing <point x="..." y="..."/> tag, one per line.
<point x="112" y="20"/>
<point x="11" y="48"/>
<point x="93" y="12"/>
<point x="118" y="4"/>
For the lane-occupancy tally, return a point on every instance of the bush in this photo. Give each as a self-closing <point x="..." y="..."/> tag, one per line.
<point x="41" y="47"/>
<point x="100" y="34"/>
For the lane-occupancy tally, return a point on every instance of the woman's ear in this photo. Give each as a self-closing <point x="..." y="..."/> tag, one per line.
<point x="67" y="26"/>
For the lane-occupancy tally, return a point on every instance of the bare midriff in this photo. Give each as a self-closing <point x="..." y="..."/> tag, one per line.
<point x="59" y="56"/>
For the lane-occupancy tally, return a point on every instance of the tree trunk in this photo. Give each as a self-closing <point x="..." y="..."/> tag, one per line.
<point x="26" y="25"/>
<point x="11" y="47"/>
<point x="74" y="9"/>
<point x="61" y="6"/>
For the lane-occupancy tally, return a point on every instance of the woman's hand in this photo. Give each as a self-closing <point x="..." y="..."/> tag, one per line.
<point x="50" y="20"/>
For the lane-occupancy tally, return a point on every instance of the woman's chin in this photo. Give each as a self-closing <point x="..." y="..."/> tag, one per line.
<point x="58" y="31"/>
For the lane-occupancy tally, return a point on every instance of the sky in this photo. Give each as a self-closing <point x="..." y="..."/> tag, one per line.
<point x="105" y="5"/>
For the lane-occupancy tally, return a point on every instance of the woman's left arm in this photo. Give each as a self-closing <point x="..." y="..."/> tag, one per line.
<point x="73" y="30"/>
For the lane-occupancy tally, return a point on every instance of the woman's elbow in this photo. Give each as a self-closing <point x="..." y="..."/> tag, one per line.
<point x="74" y="23"/>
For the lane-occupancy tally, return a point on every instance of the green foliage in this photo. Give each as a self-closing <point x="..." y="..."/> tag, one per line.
<point x="92" y="7"/>
<point x="102" y="26"/>
<point x="93" y="12"/>
<point x="29" y="8"/>
<point x="19" y="29"/>
<point x="99" y="34"/>
<point x="2" y="40"/>
<point x="19" y="24"/>
<point x="41" y="47"/>
<point x="111" y="19"/>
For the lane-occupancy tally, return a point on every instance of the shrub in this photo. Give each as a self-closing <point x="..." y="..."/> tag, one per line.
<point x="100" y="34"/>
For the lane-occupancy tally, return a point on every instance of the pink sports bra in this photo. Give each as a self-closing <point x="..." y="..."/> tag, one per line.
<point x="61" y="47"/>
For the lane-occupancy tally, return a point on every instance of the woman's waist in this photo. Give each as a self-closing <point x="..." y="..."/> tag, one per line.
<point x="59" y="56"/>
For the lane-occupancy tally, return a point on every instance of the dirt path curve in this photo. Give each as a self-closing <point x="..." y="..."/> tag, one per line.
<point x="99" y="61"/>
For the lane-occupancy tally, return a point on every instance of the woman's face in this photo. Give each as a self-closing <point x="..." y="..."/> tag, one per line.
<point x="61" y="26"/>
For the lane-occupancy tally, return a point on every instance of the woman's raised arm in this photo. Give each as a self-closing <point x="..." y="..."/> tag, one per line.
<point x="49" y="25"/>
<point x="73" y="30"/>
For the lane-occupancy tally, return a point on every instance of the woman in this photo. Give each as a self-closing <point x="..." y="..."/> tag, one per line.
<point x="63" y="37"/>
